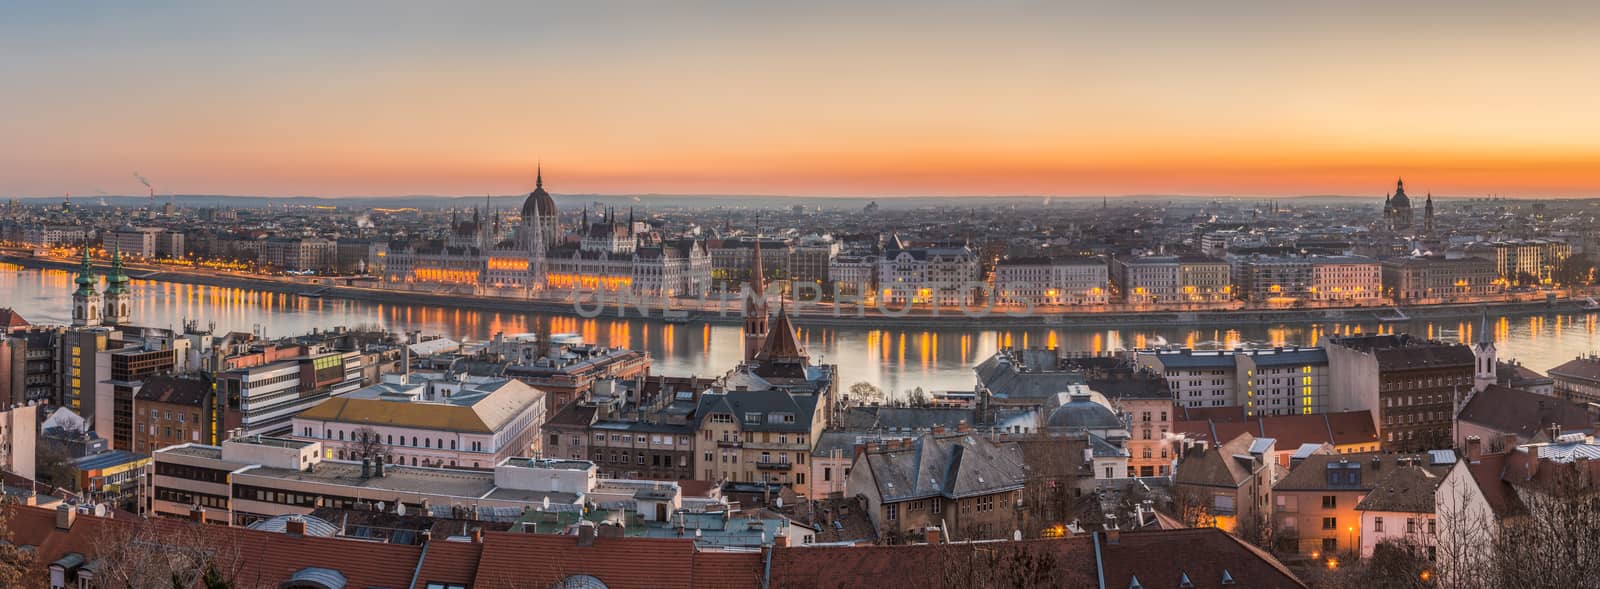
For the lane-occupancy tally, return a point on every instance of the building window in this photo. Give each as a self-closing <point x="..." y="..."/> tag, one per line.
<point x="891" y="512"/>
<point x="1330" y="523"/>
<point x="1377" y="524"/>
<point x="1330" y="545"/>
<point x="1330" y="502"/>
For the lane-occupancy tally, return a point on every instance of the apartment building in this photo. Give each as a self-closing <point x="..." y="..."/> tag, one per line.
<point x="427" y="420"/>
<point x="1438" y="278"/>
<point x="1052" y="281"/>
<point x="964" y="484"/>
<point x="1412" y="385"/>
<point x="1172" y="279"/>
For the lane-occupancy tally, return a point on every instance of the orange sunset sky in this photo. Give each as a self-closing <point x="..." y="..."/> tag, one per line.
<point x="937" y="97"/>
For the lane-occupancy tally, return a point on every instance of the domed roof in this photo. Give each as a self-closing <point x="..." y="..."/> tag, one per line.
<point x="1400" y="200"/>
<point x="1081" y="412"/>
<point x="538" y="202"/>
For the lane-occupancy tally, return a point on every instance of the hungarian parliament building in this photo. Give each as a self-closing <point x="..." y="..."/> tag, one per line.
<point x="483" y="256"/>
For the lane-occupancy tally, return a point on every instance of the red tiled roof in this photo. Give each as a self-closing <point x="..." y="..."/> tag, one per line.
<point x="268" y="557"/>
<point x="945" y="565"/>
<point x="449" y="562"/>
<point x="11" y="321"/>
<point x="1162" y="558"/>
<point x="1348" y="427"/>
<point x="514" y="560"/>
<point x="1488" y="472"/>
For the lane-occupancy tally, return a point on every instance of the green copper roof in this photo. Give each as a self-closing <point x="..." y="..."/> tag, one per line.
<point x="86" y="279"/>
<point x="117" y="280"/>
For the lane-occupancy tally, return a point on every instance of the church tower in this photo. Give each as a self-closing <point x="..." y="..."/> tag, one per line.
<point x="1484" y="357"/>
<point x="86" y="300"/>
<point x="1427" y="215"/>
<point x="117" y="292"/>
<point x="755" y="307"/>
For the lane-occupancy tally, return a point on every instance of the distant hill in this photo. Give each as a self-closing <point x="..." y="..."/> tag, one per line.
<point x="650" y="201"/>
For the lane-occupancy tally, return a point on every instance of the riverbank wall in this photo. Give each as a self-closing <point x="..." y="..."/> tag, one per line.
<point x="845" y="316"/>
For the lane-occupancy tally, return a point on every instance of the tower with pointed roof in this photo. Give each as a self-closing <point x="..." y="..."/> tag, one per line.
<point x="1485" y="357"/>
<point x="1427" y="215"/>
<point x="86" y="299"/>
<point x="117" y="292"/>
<point x="755" y="307"/>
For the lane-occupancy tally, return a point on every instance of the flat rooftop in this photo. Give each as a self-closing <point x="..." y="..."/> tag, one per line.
<point x="408" y="479"/>
<point x="195" y="450"/>
<point x="550" y="463"/>
<point x="271" y="442"/>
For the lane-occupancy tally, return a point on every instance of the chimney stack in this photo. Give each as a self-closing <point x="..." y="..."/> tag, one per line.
<point x="1113" y="537"/>
<point x="366" y="468"/>
<point x="1508" y="442"/>
<point x="586" y="533"/>
<point x="197" y="514"/>
<point x="295" y="526"/>
<point x="933" y="534"/>
<point x="427" y="536"/>
<point x="938" y="429"/>
<point x="1474" y="447"/>
<point x="962" y="427"/>
<point x="477" y="535"/>
<point x="65" y="516"/>
<point x="781" y="540"/>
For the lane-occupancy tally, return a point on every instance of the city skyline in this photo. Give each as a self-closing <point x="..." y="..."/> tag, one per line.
<point x="834" y="99"/>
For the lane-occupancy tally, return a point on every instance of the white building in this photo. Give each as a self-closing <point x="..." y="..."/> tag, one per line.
<point x="252" y="478"/>
<point x="134" y="241"/>
<point x="854" y="274"/>
<point x="1173" y="279"/>
<point x="1052" y="281"/>
<point x="429" y="420"/>
<point x="945" y="276"/>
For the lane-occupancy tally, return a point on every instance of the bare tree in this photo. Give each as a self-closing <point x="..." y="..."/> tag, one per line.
<point x="864" y="393"/>
<point x="17" y="566"/>
<point x="368" y="444"/>
<point x="1193" y="506"/>
<point x="1552" y="545"/>
<point x="160" y="554"/>
<point x="1466" y="533"/>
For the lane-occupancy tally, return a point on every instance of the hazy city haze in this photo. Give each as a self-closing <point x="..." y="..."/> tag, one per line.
<point x="828" y="98"/>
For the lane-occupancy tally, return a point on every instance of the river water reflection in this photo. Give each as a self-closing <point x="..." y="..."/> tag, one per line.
<point x="896" y="359"/>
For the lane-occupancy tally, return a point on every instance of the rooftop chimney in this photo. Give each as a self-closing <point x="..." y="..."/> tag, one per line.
<point x="1474" y="447"/>
<point x="962" y="427"/>
<point x="781" y="540"/>
<point x="197" y="514"/>
<point x="932" y="533"/>
<point x="295" y="526"/>
<point x="477" y="535"/>
<point x="366" y="468"/>
<point x="938" y="429"/>
<point x="1113" y="537"/>
<point x="65" y="515"/>
<point x="586" y="533"/>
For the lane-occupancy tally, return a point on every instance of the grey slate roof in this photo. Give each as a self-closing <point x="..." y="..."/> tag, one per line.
<point x="763" y="403"/>
<point x="950" y="466"/>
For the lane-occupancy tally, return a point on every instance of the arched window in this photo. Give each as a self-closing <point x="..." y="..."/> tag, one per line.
<point x="579" y="582"/>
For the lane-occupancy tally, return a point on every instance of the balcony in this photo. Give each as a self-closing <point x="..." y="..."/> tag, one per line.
<point x="792" y="447"/>
<point x="729" y="443"/>
<point x="773" y="465"/>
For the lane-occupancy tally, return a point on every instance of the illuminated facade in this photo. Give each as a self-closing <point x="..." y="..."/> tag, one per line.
<point x="1289" y="279"/>
<point x="1062" y="281"/>
<point x="480" y="256"/>
<point x="1173" y="279"/>
<point x="932" y="275"/>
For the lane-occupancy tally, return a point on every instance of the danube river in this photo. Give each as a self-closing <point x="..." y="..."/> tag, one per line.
<point x="895" y="359"/>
